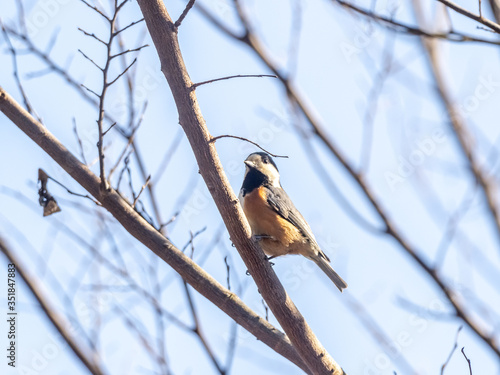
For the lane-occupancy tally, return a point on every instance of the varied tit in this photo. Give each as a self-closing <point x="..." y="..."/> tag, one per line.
<point x="275" y="222"/>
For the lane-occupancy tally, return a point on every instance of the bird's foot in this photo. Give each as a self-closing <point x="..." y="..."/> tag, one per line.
<point x="269" y="258"/>
<point x="266" y="258"/>
<point x="260" y="237"/>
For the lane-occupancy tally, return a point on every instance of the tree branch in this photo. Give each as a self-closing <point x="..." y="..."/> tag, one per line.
<point x="462" y="134"/>
<point x="460" y="308"/>
<point x="195" y="85"/>
<point x="478" y="18"/>
<point x="55" y="319"/>
<point x="137" y="226"/>
<point x="164" y="35"/>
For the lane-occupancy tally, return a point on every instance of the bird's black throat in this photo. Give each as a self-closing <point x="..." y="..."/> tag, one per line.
<point x="253" y="180"/>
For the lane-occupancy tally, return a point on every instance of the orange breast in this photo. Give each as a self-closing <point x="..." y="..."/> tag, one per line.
<point x="265" y="221"/>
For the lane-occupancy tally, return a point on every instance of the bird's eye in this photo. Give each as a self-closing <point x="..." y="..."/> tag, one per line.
<point x="265" y="160"/>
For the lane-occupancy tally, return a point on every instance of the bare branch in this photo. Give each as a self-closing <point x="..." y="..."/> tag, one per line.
<point x="398" y="26"/>
<point x="249" y="141"/>
<point x="184" y="13"/>
<point x="197" y="330"/>
<point x="97" y="10"/>
<point x="479" y="18"/>
<point x="129" y="51"/>
<point x="389" y="227"/>
<point x="373" y="98"/>
<point x="455" y="345"/>
<point x="92" y="61"/>
<point x="462" y="135"/>
<point x="34" y="287"/>
<point x="13" y="53"/>
<point x="149" y="236"/>
<point x="195" y="85"/>
<point x="166" y="42"/>
<point x="140" y="191"/>
<point x="122" y="73"/>
<point x="84" y="92"/>
<point x="73" y="193"/>
<point x="110" y="127"/>
<point x="215" y="21"/>
<point x="228" y="272"/>
<point x="128" y="26"/>
<point x="90" y="90"/>
<point x="168" y="157"/>
<point x="92" y="36"/>
<point x="39" y="73"/>
<point x="468" y="361"/>
<point x="80" y="145"/>
<point x="125" y="149"/>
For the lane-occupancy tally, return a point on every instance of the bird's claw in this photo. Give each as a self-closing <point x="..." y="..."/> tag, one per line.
<point x="260" y="237"/>
<point x="269" y="258"/>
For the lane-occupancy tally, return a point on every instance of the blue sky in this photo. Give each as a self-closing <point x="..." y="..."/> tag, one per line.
<point x="339" y="58"/>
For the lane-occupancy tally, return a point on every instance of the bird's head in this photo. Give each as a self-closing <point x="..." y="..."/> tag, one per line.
<point x="263" y="163"/>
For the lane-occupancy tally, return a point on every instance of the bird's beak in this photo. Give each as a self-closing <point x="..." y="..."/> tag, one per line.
<point x="249" y="163"/>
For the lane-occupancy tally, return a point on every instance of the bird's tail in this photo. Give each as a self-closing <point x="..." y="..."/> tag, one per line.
<point x="330" y="272"/>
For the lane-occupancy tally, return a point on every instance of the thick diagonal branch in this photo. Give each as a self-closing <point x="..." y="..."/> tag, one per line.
<point x="205" y="284"/>
<point x="164" y="35"/>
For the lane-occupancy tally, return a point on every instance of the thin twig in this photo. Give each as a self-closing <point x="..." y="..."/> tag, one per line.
<point x="84" y="92"/>
<point x="130" y="25"/>
<point x="195" y="85"/>
<point x="89" y="59"/>
<point x="198" y="331"/>
<point x="191" y="239"/>
<point x="398" y="26"/>
<point x="92" y="35"/>
<point x="168" y="156"/>
<point x="253" y="42"/>
<point x="142" y="189"/>
<point x="122" y="73"/>
<point x="227" y="301"/>
<point x="378" y="334"/>
<point x="468" y="361"/>
<point x="80" y="145"/>
<point x="228" y="272"/>
<point x="13" y="53"/>
<point x="97" y="10"/>
<point x="184" y="13"/>
<point x="38" y="74"/>
<point x="73" y="193"/>
<point x="479" y="18"/>
<point x="35" y="287"/>
<point x="171" y="220"/>
<point x="455" y="345"/>
<point x="463" y="136"/>
<point x="130" y="51"/>
<point x="105" y="85"/>
<point x="111" y="127"/>
<point x="266" y="309"/>
<point x="125" y="162"/>
<point x="249" y="141"/>
<point x="90" y="90"/>
<point x="145" y="340"/>
<point x="371" y="108"/>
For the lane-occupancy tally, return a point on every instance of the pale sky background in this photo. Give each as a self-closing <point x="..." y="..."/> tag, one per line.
<point x="337" y="84"/>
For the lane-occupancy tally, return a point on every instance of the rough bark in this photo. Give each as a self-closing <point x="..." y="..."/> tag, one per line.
<point x="164" y="35"/>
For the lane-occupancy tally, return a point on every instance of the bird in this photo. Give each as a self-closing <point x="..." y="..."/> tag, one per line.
<point x="276" y="224"/>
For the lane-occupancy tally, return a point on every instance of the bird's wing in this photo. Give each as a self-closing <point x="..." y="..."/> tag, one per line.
<point x="280" y="202"/>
